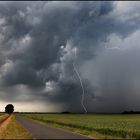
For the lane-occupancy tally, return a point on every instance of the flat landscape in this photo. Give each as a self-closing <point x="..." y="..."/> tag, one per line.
<point x="97" y="126"/>
<point x="71" y="126"/>
<point x="70" y="69"/>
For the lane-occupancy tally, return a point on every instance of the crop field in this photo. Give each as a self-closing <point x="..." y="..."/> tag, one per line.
<point x="98" y="126"/>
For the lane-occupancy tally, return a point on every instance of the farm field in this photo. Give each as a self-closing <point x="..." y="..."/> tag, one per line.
<point x="100" y="126"/>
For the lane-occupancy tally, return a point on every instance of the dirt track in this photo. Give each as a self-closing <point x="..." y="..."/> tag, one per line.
<point x="4" y="122"/>
<point x="3" y="118"/>
<point x="40" y="131"/>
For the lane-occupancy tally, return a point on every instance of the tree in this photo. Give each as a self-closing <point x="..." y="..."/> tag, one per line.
<point x="9" y="109"/>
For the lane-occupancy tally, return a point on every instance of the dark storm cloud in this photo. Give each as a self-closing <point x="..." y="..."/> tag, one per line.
<point x="37" y="42"/>
<point x="47" y="30"/>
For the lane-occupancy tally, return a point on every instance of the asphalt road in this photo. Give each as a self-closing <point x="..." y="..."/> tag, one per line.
<point x="40" y="131"/>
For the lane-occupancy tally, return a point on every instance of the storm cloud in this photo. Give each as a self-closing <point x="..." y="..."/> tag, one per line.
<point x="37" y="43"/>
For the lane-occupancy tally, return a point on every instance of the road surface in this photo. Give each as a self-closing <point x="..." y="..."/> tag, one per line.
<point x="40" y="131"/>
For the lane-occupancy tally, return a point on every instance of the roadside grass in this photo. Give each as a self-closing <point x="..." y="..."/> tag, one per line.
<point x="3" y="116"/>
<point x="101" y="126"/>
<point x="13" y="130"/>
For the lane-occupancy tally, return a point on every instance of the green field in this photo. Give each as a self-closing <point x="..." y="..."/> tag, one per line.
<point x="100" y="126"/>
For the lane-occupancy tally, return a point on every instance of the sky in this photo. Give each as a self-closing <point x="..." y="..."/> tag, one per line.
<point x="42" y="41"/>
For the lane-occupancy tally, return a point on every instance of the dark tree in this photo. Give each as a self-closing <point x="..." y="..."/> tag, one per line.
<point x="9" y="109"/>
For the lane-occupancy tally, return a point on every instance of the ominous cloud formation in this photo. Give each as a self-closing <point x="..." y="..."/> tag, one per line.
<point x="37" y="42"/>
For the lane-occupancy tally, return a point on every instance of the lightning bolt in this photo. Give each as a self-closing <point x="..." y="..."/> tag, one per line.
<point x="81" y="83"/>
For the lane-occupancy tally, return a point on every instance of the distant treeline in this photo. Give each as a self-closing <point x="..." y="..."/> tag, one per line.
<point x="131" y="112"/>
<point x="67" y="112"/>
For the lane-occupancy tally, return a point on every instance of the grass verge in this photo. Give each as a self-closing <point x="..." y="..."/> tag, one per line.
<point x="11" y="129"/>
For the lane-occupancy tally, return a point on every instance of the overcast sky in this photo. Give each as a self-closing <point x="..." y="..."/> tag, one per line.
<point x="37" y="52"/>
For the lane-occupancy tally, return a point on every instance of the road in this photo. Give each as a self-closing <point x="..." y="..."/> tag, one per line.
<point x="40" y="131"/>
